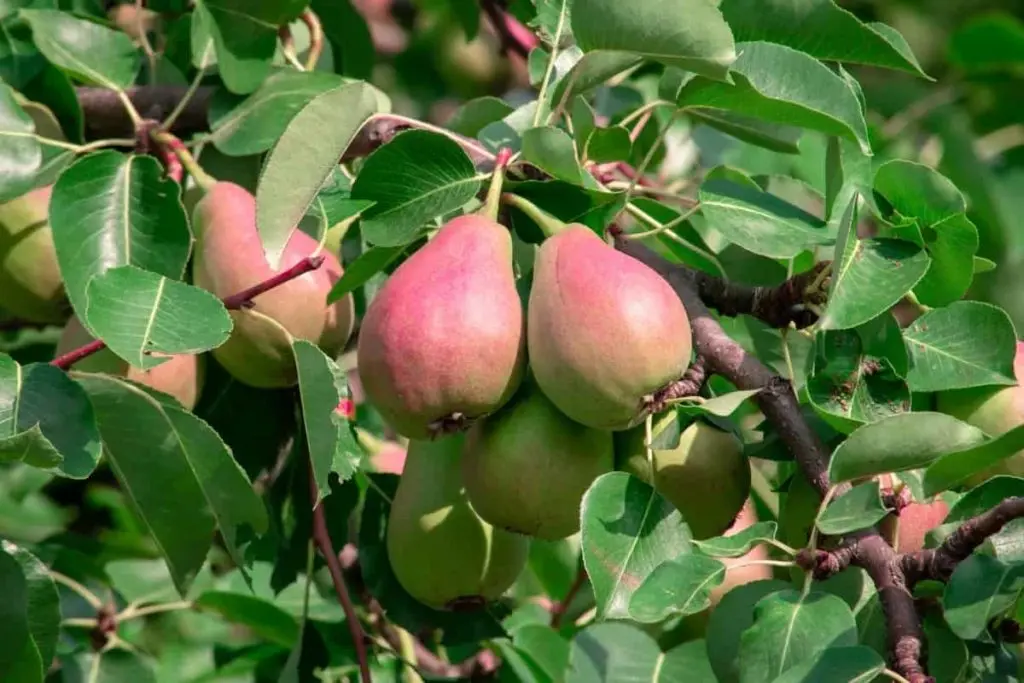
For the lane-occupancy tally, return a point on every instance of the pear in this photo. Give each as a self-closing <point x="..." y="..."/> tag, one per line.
<point x="527" y="466"/>
<point x="994" y="410"/>
<point x="604" y="331"/>
<point x="440" y="550"/>
<point x="229" y="258"/>
<point x="443" y="343"/>
<point x="706" y="477"/>
<point x="182" y="376"/>
<point x="31" y="287"/>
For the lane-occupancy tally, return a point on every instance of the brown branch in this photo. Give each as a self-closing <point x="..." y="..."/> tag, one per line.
<point x="690" y="384"/>
<point x="777" y="306"/>
<point x="323" y="542"/>
<point x="559" y="609"/>
<point x="242" y="299"/>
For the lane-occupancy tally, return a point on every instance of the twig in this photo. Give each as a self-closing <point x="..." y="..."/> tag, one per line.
<point x="559" y="609"/>
<point x="316" y="37"/>
<point x="323" y="542"/>
<point x="234" y="302"/>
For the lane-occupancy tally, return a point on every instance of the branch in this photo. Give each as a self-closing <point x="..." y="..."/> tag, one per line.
<point x="323" y="542"/>
<point x="777" y="306"/>
<point x="559" y="609"/>
<point x="939" y="563"/>
<point x="237" y="301"/>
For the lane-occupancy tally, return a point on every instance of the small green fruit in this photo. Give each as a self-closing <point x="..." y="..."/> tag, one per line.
<point x="527" y="467"/>
<point x="31" y="287"/>
<point x="440" y="550"/>
<point x="229" y="258"/>
<point x="181" y="377"/>
<point x="605" y="331"/>
<point x="706" y="477"/>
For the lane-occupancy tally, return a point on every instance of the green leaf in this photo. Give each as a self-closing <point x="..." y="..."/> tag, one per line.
<point x="849" y="387"/>
<point x="758" y="221"/>
<point x="86" y="50"/>
<point x="874" y="275"/>
<point x="471" y="117"/>
<point x="883" y="338"/>
<point x="856" y="664"/>
<point x="545" y="648"/>
<point x="945" y="353"/>
<point x="719" y="406"/>
<point x="691" y="249"/>
<point x="552" y="150"/>
<point x="593" y="70"/>
<point x="608" y="144"/>
<point x="239" y="127"/>
<point x="304" y="157"/>
<point x="20" y="61"/>
<point x="988" y="42"/>
<point x="357" y="273"/>
<point x="117" y="666"/>
<point x="139" y="314"/>
<point x="733" y="615"/>
<point x="110" y="209"/>
<point x="1008" y="543"/>
<point x="740" y="543"/>
<point x="414" y="179"/>
<point x="776" y="137"/>
<point x="613" y="652"/>
<point x="19" y="146"/>
<point x="858" y="508"/>
<point x="43" y="601"/>
<point x="349" y="35"/>
<point x="779" y="84"/>
<point x="681" y="33"/>
<point x="822" y="30"/>
<point x="682" y="586"/>
<point x="789" y="629"/>
<point x="46" y="420"/>
<point x="957" y="467"/>
<point x="628" y="529"/>
<point x="980" y="588"/>
<point x="181" y="479"/>
<point x="19" y="657"/>
<point x="901" y="442"/>
<point x="265" y="619"/>
<point x="322" y="385"/>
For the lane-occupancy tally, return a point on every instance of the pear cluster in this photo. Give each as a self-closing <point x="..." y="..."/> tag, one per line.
<point x="512" y="410"/>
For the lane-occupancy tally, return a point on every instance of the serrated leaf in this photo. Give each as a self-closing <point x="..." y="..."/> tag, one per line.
<point x="945" y="353"/>
<point x="858" y="508"/>
<point x="740" y="543"/>
<point x="957" y="467"/>
<point x="980" y="588"/>
<point x="143" y="316"/>
<point x="628" y="529"/>
<point x="110" y="209"/>
<point x="680" y="33"/>
<point x="413" y="179"/>
<point x="179" y="476"/>
<point x="682" y="586"/>
<point x="779" y="84"/>
<point x="821" y="29"/>
<point x="87" y="50"/>
<point x="357" y="273"/>
<point x="901" y="442"/>
<point x="304" y="157"/>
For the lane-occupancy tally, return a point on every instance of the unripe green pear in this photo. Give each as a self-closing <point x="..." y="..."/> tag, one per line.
<point x="181" y="377"/>
<point x="229" y="258"/>
<point x="440" y="550"/>
<point x="443" y="343"/>
<point x="31" y="287"/>
<point x="706" y="477"/>
<point x="605" y="331"/>
<point x="993" y="410"/>
<point x="527" y="466"/>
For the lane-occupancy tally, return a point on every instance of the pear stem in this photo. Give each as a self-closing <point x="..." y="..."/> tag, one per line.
<point x="171" y="142"/>
<point x="493" y="201"/>
<point x="549" y="225"/>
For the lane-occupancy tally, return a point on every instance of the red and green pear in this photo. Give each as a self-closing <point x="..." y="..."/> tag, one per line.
<point x="31" y="287"/>
<point x="706" y="477"/>
<point x="229" y="258"/>
<point x="181" y="377"/>
<point x="605" y="331"/>
<point x="527" y="466"/>
<point x="442" y="343"/>
<point x="993" y="410"/>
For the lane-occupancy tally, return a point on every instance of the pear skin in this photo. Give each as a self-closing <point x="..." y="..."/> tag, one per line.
<point x="31" y="287"/>
<point x="443" y="340"/>
<point x="229" y="258"/>
<point x="181" y="377"/>
<point x="527" y="466"/>
<point x="706" y="477"/>
<point x="993" y="410"/>
<point x="440" y="550"/>
<point x="605" y="330"/>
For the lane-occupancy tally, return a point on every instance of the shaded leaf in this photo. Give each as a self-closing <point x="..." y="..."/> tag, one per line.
<point x="553" y="151"/>
<point x="262" y="617"/>
<point x="957" y="467"/>
<point x="858" y="508"/>
<point x="682" y="586"/>
<point x="42" y="601"/>
<point x="19" y="146"/>
<point x="740" y="543"/>
<point x="357" y="273"/>
<point x="19" y="657"/>
<point x="980" y="588"/>
<point x="988" y="42"/>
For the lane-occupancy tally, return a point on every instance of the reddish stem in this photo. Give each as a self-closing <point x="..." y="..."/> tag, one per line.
<point x="172" y="164"/>
<point x="233" y="302"/>
<point x="323" y="541"/>
<point x="515" y="37"/>
<point x="559" y="609"/>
